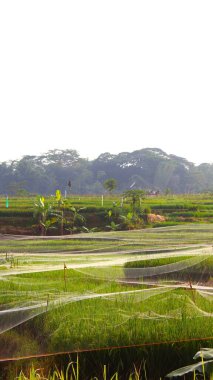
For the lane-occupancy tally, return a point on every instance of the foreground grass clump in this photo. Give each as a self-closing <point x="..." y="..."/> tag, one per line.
<point x="72" y="373"/>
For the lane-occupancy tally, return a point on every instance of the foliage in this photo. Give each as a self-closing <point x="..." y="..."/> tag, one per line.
<point x="113" y="226"/>
<point x="74" y="221"/>
<point x="43" y="211"/>
<point x="59" y="210"/>
<point x="136" y="214"/>
<point x="110" y="184"/>
<point x="150" y="169"/>
<point x="134" y="196"/>
<point x="177" y="209"/>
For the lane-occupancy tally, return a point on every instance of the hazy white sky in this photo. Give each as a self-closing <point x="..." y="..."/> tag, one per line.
<point x="112" y="75"/>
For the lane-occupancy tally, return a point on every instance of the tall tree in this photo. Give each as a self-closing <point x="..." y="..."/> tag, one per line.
<point x="110" y="184"/>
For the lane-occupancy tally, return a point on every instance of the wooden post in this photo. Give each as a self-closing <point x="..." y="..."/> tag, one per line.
<point x="193" y="293"/>
<point x="48" y="297"/>
<point x="62" y="222"/>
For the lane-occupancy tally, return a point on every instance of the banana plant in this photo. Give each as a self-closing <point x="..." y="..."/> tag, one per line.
<point x="74" y="221"/>
<point x="43" y="212"/>
<point x="113" y="216"/>
<point x="134" y="197"/>
<point x="113" y="226"/>
<point x="60" y="210"/>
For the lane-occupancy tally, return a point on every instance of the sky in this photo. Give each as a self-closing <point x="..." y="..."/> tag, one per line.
<point x="106" y="76"/>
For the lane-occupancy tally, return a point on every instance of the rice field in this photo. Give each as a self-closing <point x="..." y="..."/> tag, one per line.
<point x="71" y="293"/>
<point x="177" y="209"/>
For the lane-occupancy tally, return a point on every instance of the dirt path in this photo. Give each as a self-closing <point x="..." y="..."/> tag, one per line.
<point x="60" y="237"/>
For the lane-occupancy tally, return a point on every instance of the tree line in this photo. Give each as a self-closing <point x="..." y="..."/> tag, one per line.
<point x="148" y="169"/>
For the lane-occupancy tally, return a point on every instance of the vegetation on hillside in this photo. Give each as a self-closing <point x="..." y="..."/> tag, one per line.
<point x="149" y="169"/>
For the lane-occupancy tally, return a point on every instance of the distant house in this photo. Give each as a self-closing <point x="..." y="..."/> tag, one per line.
<point x="153" y="193"/>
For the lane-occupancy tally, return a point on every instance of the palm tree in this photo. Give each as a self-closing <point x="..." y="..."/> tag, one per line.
<point x="110" y="184"/>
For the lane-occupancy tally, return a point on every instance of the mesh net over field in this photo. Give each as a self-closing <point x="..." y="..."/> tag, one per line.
<point x="91" y="296"/>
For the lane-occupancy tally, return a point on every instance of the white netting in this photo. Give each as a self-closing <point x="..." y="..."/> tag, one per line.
<point x="56" y="302"/>
<point x="164" y="269"/>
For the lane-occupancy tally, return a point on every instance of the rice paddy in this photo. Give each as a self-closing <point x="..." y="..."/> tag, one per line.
<point x="72" y="293"/>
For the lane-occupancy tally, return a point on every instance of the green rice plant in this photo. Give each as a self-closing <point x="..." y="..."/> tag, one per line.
<point x="201" y="270"/>
<point x="87" y="321"/>
<point x="155" y="262"/>
<point x="72" y="373"/>
<point x="35" y="374"/>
